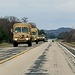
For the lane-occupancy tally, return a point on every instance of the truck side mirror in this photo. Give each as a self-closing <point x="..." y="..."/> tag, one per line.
<point x="11" y="30"/>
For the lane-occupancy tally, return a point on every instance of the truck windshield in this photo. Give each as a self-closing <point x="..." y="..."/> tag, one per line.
<point x="18" y="29"/>
<point x="24" y="29"/>
<point x="33" y="33"/>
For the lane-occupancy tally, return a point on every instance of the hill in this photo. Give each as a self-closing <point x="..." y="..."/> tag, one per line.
<point x="58" y="31"/>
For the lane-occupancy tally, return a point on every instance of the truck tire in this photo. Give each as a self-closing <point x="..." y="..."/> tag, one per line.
<point x="15" y="44"/>
<point x="36" y="41"/>
<point x="30" y="43"/>
<point x="44" y="40"/>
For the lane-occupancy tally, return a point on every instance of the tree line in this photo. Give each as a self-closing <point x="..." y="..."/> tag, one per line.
<point x="7" y="22"/>
<point x="67" y="36"/>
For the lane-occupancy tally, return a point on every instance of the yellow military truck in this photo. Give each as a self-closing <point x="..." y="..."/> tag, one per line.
<point x="22" y="34"/>
<point x="42" y="37"/>
<point x="34" y="33"/>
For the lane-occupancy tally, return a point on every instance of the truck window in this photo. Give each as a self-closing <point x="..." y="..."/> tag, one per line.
<point x="24" y="29"/>
<point x="33" y="33"/>
<point x="18" y="29"/>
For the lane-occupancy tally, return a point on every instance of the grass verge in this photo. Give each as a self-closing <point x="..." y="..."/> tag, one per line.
<point x="5" y="45"/>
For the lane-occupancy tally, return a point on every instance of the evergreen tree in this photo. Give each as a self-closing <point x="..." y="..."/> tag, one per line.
<point x="3" y="35"/>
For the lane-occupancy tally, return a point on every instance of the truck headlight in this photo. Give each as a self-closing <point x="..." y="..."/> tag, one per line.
<point x="43" y="37"/>
<point x="38" y="37"/>
<point x="15" y="39"/>
<point x="26" y="38"/>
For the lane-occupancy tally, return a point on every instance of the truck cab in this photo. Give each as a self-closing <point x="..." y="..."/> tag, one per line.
<point x="42" y="37"/>
<point x="34" y="33"/>
<point x="21" y="34"/>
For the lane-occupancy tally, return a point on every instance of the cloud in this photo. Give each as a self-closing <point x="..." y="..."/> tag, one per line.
<point x="41" y="12"/>
<point x="53" y="5"/>
<point x="8" y="3"/>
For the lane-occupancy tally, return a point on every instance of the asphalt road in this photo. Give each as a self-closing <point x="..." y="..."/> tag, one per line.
<point x="8" y="52"/>
<point x="46" y="59"/>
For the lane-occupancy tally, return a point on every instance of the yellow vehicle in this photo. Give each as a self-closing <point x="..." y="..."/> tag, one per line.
<point x="22" y="34"/>
<point x="34" y="33"/>
<point x="42" y="37"/>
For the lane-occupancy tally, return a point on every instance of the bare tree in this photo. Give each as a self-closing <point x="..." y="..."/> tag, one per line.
<point x="32" y="24"/>
<point x="24" y="19"/>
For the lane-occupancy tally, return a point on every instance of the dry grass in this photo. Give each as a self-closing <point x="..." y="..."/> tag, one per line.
<point x="72" y="44"/>
<point x="5" y="45"/>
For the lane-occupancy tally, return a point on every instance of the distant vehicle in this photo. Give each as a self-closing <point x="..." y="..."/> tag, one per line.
<point x="22" y="34"/>
<point x="42" y="37"/>
<point x="52" y="40"/>
<point x="34" y="33"/>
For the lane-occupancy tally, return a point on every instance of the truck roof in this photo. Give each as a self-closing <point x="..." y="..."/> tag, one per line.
<point x="21" y="25"/>
<point x="34" y="29"/>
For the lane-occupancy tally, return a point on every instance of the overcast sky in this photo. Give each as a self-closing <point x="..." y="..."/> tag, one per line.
<point x="47" y="14"/>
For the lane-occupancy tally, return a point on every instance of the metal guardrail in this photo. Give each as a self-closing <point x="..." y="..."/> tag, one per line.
<point x="68" y="48"/>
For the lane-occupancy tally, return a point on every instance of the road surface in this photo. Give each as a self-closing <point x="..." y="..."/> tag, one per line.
<point x="9" y="52"/>
<point x="47" y="59"/>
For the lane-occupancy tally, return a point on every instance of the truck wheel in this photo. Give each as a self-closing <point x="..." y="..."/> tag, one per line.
<point x="43" y="40"/>
<point x="36" y="41"/>
<point x="30" y="43"/>
<point x="15" y="44"/>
